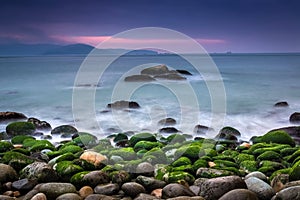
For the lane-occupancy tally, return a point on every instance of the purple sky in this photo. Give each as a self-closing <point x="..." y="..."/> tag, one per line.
<point x="219" y="25"/>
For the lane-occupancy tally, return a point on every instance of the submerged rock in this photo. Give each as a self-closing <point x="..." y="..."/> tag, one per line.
<point x="123" y="105"/>
<point x="184" y="72"/>
<point x="295" y="118"/>
<point x="41" y="125"/>
<point x="139" y="78"/>
<point x="281" y="104"/>
<point x="11" y="116"/>
<point x="66" y="130"/>
<point x="201" y="130"/>
<point x="167" y="122"/>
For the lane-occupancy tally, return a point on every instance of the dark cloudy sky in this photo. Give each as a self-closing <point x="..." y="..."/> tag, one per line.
<point x="220" y="25"/>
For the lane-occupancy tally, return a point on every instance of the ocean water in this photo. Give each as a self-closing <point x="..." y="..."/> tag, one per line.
<point x="43" y="87"/>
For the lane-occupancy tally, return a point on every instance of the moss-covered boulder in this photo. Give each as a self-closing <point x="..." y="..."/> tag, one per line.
<point x="243" y="157"/>
<point x="120" y="177"/>
<point x="155" y="156"/>
<point x="121" y="139"/>
<point x="70" y="149"/>
<point x="192" y="151"/>
<point x="181" y="161"/>
<point x="175" y="138"/>
<point x="66" y="169"/>
<point x="19" y="139"/>
<point x="288" y="151"/>
<point x="5" y="146"/>
<point x="85" y="140"/>
<point x="225" y="163"/>
<point x="228" y="133"/>
<point x="65" y="130"/>
<point x="269" y="155"/>
<point x="280" y="137"/>
<point x="212" y="173"/>
<point x="78" y="181"/>
<point x="141" y="137"/>
<point x="103" y="144"/>
<point x="39" y="145"/>
<point x="40" y="171"/>
<point x="146" y="145"/>
<point x="20" y="128"/>
<point x="64" y="157"/>
<point x="177" y="176"/>
<point x="295" y="172"/>
<point x="127" y="153"/>
<point x="249" y="165"/>
<point x="200" y="163"/>
<point x="17" y="160"/>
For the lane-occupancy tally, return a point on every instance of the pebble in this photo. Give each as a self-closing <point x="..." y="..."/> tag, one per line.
<point x="86" y="191"/>
<point x="93" y="157"/>
<point x="99" y="197"/>
<point x="53" y="190"/>
<point x="239" y="194"/>
<point x="24" y="184"/>
<point x="107" y="189"/>
<point x="132" y="189"/>
<point x="39" y="196"/>
<point x="263" y="190"/>
<point x="157" y="193"/>
<point x="150" y="183"/>
<point x="175" y="190"/>
<point x="4" y="197"/>
<point x="96" y="177"/>
<point x="69" y="196"/>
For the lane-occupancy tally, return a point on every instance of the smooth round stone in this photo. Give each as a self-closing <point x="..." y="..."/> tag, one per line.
<point x="107" y="189"/>
<point x="7" y="173"/>
<point x="41" y="171"/>
<point x="53" y="190"/>
<point x="214" y="188"/>
<point x="239" y="194"/>
<point x="96" y="177"/>
<point x="145" y="168"/>
<point x="195" y="189"/>
<point x="187" y="198"/>
<point x="132" y="189"/>
<point x="4" y="197"/>
<point x="150" y="183"/>
<point x="263" y="190"/>
<point x="86" y="191"/>
<point x="24" y="184"/>
<point x="176" y="190"/>
<point x="291" y="193"/>
<point x="144" y="196"/>
<point x="93" y="157"/>
<point x="69" y="196"/>
<point x="39" y="196"/>
<point x="99" y="196"/>
<point x="257" y="174"/>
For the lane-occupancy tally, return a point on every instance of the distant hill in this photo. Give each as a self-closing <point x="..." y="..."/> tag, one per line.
<point x="73" y="49"/>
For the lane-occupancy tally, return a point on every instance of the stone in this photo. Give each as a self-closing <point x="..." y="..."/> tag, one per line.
<point x="66" y="169"/>
<point x="40" y="171"/>
<point x="167" y="122"/>
<point x="281" y="104"/>
<point x="39" y="196"/>
<point x="100" y="197"/>
<point x="279" y="136"/>
<point x="85" y="191"/>
<point x="20" y="128"/>
<point x="293" y="131"/>
<point x="5" y="146"/>
<point x="139" y="78"/>
<point x="187" y="198"/>
<point x="107" y="189"/>
<point x="228" y="133"/>
<point x="239" y="194"/>
<point x="214" y="188"/>
<point x="53" y="190"/>
<point x="175" y="190"/>
<point x="132" y="189"/>
<point x="257" y="174"/>
<point x="155" y="70"/>
<point x="202" y="130"/>
<point x="143" y="196"/>
<point x="150" y="183"/>
<point x="157" y="193"/>
<point x="4" y="197"/>
<point x="96" y="177"/>
<point x="69" y="196"/>
<point x="24" y="184"/>
<point x="290" y="193"/>
<point x="120" y="177"/>
<point x="11" y="116"/>
<point x="184" y="72"/>
<point x="66" y="130"/>
<point x="263" y="190"/>
<point x="168" y="130"/>
<point x="94" y="158"/>
<point x="141" y="137"/>
<point x="145" y="169"/>
<point x="40" y="125"/>
<point x="204" y="172"/>
<point x="7" y="173"/>
<point x="295" y="118"/>
<point x="123" y="105"/>
<point x="170" y="76"/>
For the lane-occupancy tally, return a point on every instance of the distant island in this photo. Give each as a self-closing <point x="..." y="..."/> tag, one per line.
<point x="72" y="49"/>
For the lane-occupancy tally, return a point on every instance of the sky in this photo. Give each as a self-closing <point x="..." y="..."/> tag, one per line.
<point x="218" y="25"/>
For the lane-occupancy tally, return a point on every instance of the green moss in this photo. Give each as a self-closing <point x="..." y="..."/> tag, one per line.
<point x="280" y="137"/>
<point x="175" y="138"/>
<point x="268" y="170"/>
<point x="20" y="128"/>
<point x="176" y="177"/>
<point x="85" y="139"/>
<point x="249" y="166"/>
<point x="258" y="146"/>
<point x="224" y="157"/>
<point x="141" y="153"/>
<point x="78" y="179"/>
<point x="17" y="160"/>
<point x="225" y="163"/>
<point x="19" y="139"/>
<point x="146" y="145"/>
<point x="280" y="171"/>
<point x="161" y="170"/>
<point x="269" y="155"/>
<point x="288" y="151"/>
<point x="185" y="168"/>
<point x="70" y="149"/>
<point x="243" y="157"/>
<point x="40" y="145"/>
<point x="294" y="156"/>
<point x="66" y="169"/>
<point x="103" y="144"/>
<point x="65" y="157"/>
<point x="156" y="155"/>
<point x="295" y="172"/>
<point x="5" y="146"/>
<point x="267" y="163"/>
<point x="191" y="151"/>
<point x="234" y="170"/>
<point x="181" y="161"/>
<point x="127" y="153"/>
<point x="199" y="163"/>
<point x="141" y="137"/>
<point x="230" y="153"/>
<point x="275" y="148"/>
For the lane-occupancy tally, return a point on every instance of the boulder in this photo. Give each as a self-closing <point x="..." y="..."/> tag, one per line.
<point x="281" y="104"/>
<point x="5" y="146"/>
<point x="141" y="137"/>
<point x="40" y="125"/>
<point x="168" y="130"/>
<point x="20" y="128"/>
<point x="176" y="190"/>
<point x="145" y="168"/>
<point x="65" y="130"/>
<point x="293" y="131"/>
<point x="123" y="105"/>
<point x="132" y="189"/>
<point x="202" y="130"/>
<point x="290" y="193"/>
<point x="69" y="196"/>
<point x="39" y="196"/>
<point x="228" y="133"/>
<point x="155" y="70"/>
<point x="94" y="158"/>
<point x="295" y="118"/>
<point x="239" y="194"/>
<point x="11" y="116"/>
<point x="24" y="184"/>
<point x="263" y="190"/>
<point x="107" y="189"/>
<point x="167" y="122"/>
<point x="184" y="72"/>
<point x="85" y="191"/>
<point x="7" y="173"/>
<point x="139" y="78"/>
<point x="150" y="183"/>
<point x="53" y="190"/>
<point x="170" y="76"/>
<point x="40" y="171"/>
<point x="279" y="136"/>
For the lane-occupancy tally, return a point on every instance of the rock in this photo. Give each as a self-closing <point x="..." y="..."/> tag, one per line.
<point x="228" y="133"/>
<point x="7" y="173"/>
<point x="66" y="130"/>
<point x="214" y="188"/>
<point x="258" y="175"/>
<point x="295" y="172"/>
<point x="239" y="194"/>
<point x="146" y="145"/>
<point x="11" y="116"/>
<point x="40" y="171"/>
<point x="295" y="118"/>
<point x="281" y="104"/>
<point x="100" y="197"/>
<point x="132" y="189"/>
<point x="39" y="196"/>
<point x="53" y="190"/>
<point x="86" y="191"/>
<point x="24" y="184"/>
<point x="107" y="189"/>
<point x="19" y="139"/>
<point x="290" y="193"/>
<point x="155" y="70"/>
<point x="168" y="130"/>
<point x="177" y="176"/>
<point x="157" y="193"/>
<point x="187" y="198"/>
<point x="120" y="177"/>
<point x="175" y="138"/>
<point x="263" y="190"/>
<point x="127" y="153"/>
<point x="121" y="139"/>
<point x="195" y="189"/>
<point x="280" y="137"/>
<point x="40" y="125"/>
<point x="141" y="137"/>
<point x="280" y="181"/>
<point x="150" y="183"/>
<point x="143" y="196"/>
<point x="4" y="197"/>
<point x="5" y="146"/>
<point x="17" y="160"/>
<point x="95" y="178"/>
<point x="202" y="130"/>
<point x="184" y="72"/>
<point x="94" y="158"/>
<point x="145" y="169"/>
<point x="293" y="131"/>
<point x="69" y="196"/>
<point x="176" y="190"/>
<point x="123" y="105"/>
<point x="66" y="169"/>
<point x="20" y="128"/>
<point x="204" y="172"/>
<point x="170" y="76"/>
<point x="139" y="78"/>
<point x="167" y="122"/>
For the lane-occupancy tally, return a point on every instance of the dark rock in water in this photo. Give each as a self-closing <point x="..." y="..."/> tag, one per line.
<point x="121" y="139"/>
<point x="202" y="130"/>
<point x="123" y="105"/>
<point x="40" y="171"/>
<point x="107" y="189"/>
<point x="64" y="130"/>
<point x="20" y="128"/>
<point x="132" y="189"/>
<point x="139" y="78"/>
<point x="24" y="184"/>
<point x="228" y="133"/>
<point x="141" y="137"/>
<point x="150" y="183"/>
<point x="263" y="190"/>
<point x="7" y="173"/>
<point x="281" y="104"/>
<point x="184" y="72"/>
<point x="293" y="131"/>
<point x="295" y="118"/>
<point x="37" y="134"/>
<point x="53" y="190"/>
<point x="169" y="130"/>
<point x="41" y="125"/>
<point x="113" y="130"/>
<point x="46" y="137"/>
<point x="155" y="70"/>
<point x="171" y="76"/>
<point x="279" y="136"/>
<point x="11" y="116"/>
<point x="167" y="122"/>
<point x="290" y="193"/>
<point x="176" y="190"/>
<point x="239" y="194"/>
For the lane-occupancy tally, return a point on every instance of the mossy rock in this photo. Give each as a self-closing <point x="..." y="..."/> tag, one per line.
<point x="268" y="170"/>
<point x="223" y="157"/>
<point x="71" y="149"/>
<point x="249" y="165"/>
<point x="181" y="161"/>
<point x="19" y="139"/>
<point x="295" y="172"/>
<point x="269" y="155"/>
<point x="17" y="160"/>
<point x="40" y="145"/>
<point x="29" y="142"/>
<point x="258" y="146"/>
<point x="230" y="152"/>
<point x="288" y="151"/>
<point x="279" y="136"/>
<point x="65" y="130"/>
<point x="20" y="128"/>
<point x="86" y="166"/>
<point x="175" y="138"/>
<point x="103" y="144"/>
<point x="78" y="179"/>
<point x="22" y="151"/>
<point x="127" y="153"/>
<point x="275" y="148"/>
<point x="5" y="146"/>
<point x="275" y="165"/>
<point x="146" y="145"/>
<point x="243" y="157"/>
<point x="294" y="156"/>
<point x="156" y="156"/>
<point x="141" y="137"/>
<point x="200" y="163"/>
<point x="229" y="131"/>
<point x="225" y="163"/>
<point x="141" y="153"/>
<point x="177" y="176"/>
<point x="234" y="170"/>
<point x="210" y="152"/>
<point x="193" y="152"/>
<point x="120" y="177"/>
<point x="185" y="168"/>
<point x="64" y="157"/>
<point x="85" y="140"/>
<point x="161" y="170"/>
<point x="66" y="169"/>
<point x="280" y="171"/>
<point x="212" y="173"/>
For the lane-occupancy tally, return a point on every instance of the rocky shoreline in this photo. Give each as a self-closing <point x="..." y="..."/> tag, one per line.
<point x="146" y="166"/>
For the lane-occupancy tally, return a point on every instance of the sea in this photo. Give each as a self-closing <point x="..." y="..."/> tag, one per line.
<point x="237" y="90"/>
